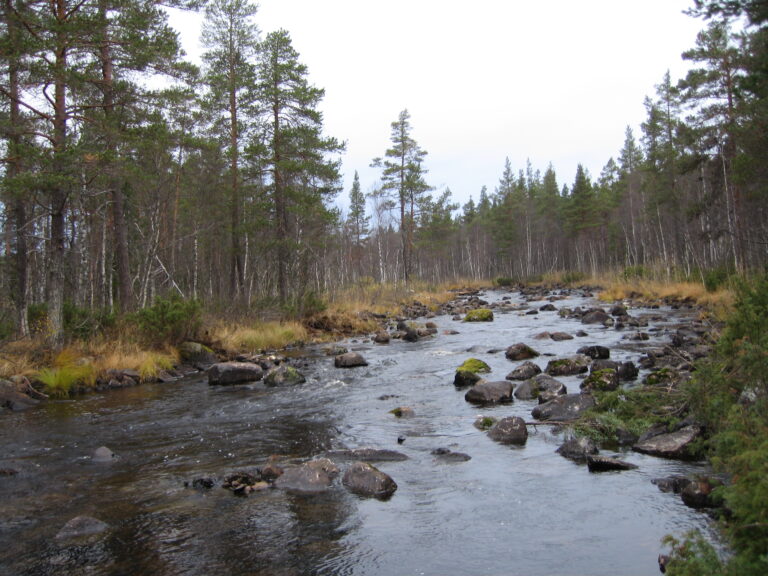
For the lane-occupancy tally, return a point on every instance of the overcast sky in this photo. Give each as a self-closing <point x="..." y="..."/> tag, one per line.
<point x="548" y="80"/>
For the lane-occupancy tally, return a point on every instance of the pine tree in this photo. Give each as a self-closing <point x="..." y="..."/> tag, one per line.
<point x="232" y="41"/>
<point x="300" y="175"/>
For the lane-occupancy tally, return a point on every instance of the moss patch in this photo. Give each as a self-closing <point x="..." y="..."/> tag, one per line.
<point x="479" y="315"/>
<point x="475" y="366"/>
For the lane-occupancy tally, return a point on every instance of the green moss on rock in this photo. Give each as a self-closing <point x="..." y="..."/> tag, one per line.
<point x="479" y="315"/>
<point x="475" y="366"/>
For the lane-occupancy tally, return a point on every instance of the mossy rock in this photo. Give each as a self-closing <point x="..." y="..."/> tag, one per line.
<point x="604" y="380"/>
<point x="485" y="422"/>
<point x="479" y="315"/>
<point x="475" y="366"/>
<point x="196" y="352"/>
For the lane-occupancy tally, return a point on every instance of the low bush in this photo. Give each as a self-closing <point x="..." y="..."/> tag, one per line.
<point x="169" y="321"/>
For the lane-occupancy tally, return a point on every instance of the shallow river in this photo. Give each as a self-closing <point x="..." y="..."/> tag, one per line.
<point x="507" y="511"/>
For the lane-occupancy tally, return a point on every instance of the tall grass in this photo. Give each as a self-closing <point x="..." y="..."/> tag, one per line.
<point x="259" y="337"/>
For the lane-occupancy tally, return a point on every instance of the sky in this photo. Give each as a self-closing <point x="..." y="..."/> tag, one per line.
<point x="547" y="80"/>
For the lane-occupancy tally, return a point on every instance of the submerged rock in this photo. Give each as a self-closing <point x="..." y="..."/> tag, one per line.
<point x="447" y="455"/>
<point x="82" y="527"/>
<point x="311" y="477"/>
<point x="368" y="455"/>
<point x="364" y="479"/>
<point x="102" y="454"/>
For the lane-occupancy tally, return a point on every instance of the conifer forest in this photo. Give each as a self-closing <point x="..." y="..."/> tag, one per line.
<point x="129" y="173"/>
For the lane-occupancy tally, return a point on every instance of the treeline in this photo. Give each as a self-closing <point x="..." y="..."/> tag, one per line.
<point x="128" y="173"/>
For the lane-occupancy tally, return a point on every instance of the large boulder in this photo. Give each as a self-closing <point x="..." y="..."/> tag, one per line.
<point x="349" y="360"/>
<point x="509" y="430"/>
<point x="284" y="375"/>
<point x="525" y="371"/>
<point x="563" y="408"/>
<point x="311" y="477"/>
<point x="520" y="351"/>
<point x="571" y="366"/>
<point x="234" y="373"/>
<point x="485" y="392"/>
<point x="671" y="444"/>
<point x="541" y="386"/>
<point x="464" y="378"/>
<point x="366" y="480"/>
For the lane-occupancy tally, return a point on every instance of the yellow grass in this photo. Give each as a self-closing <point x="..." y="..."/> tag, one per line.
<point x="652" y="290"/>
<point x="259" y="337"/>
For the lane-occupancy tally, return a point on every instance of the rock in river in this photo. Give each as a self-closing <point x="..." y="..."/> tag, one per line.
<point x="525" y="371"/>
<point x="366" y="480"/>
<point x="577" y="364"/>
<point x="311" y="477"/>
<point x="485" y="392"/>
<point x="349" y="360"/>
<point x="234" y="373"/>
<point x="567" y="407"/>
<point x="520" y="351"/>
<point x="607" y="464"/>
<point x="82" y="527"/>
<point x="541" y="386"/>
<point x="284" y="375"/>
<point x="670" y="445"/>
<point x="577" y="449"/>
<point x="509" y="430"/>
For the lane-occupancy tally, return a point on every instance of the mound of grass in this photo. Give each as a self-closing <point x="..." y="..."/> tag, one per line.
<point x="261" y="337"/>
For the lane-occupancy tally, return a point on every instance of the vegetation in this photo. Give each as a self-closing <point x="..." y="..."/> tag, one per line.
<point x="479" y="315"/>
<point x="475" y="366"/>
<point x="730" y="397"/>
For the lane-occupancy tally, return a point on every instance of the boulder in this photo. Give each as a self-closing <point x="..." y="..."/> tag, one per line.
<point x="525" y="371"/>
<point x="311" y="477"/>
<point x="349" y="360"/>
<point x="602" y="380"/>
<point x="607" y="464"/>
<point x="595" y="352"/>
<point x="563" y="408"/>
<point x="540" y="386"/>
<point x="628" y="371"/>
<point x="568" y="366"/>
<point x="464" y="378"/>
<point x="675" y="484"/>
<point x="509" y="430"/>
<point x="548" y="308"/>
<point x="698" y="494"/>
<point x="595" y="316"/>
<point x="474" y="365"/>
<point x="670" y="445"/>
<point x="365" y="480"/>
<point x="485" y="392"/>
<point x="234" y="373"/>
<point x="520" y="351"/>
<point x="577" y="449"/>
<point x="284" y="375"/>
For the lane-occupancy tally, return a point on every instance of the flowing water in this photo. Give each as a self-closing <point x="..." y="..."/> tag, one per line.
<point x="506" y="511"/>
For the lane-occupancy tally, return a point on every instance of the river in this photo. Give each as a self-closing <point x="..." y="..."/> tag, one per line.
<point x="508" y="510"/>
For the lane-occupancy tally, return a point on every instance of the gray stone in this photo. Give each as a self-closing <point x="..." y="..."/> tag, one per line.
<point x="485" y="392"/>
<point x="608" y="464"/>
<point x="563" y="408"/>
<point x="284" y="375"/>
<point x="541" y="385"/>
<point x="364" y="479"/>
<point x="509" y="430"/>
<point x="234" y="373"/>
<point x="311" y="477"/>
<point x="568" y="366"/>
<point x="525" y="371"/>
<point x="103" y="454"/>
<point x="669" y="445"/>
<point x="520" y="351"/>
<point x="349" y="360"/>
<point x="577" y="449"/>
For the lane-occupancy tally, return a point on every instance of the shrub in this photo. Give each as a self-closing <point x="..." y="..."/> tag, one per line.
<point x="169" y="321"/>
<point x="504" y="281"/>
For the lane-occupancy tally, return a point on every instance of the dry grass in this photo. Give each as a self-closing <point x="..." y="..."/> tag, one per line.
<point x="259" y="337"/>
<point x="653" y="290"/>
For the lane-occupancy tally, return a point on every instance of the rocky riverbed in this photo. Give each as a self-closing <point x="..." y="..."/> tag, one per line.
<point x="366" y="457"/>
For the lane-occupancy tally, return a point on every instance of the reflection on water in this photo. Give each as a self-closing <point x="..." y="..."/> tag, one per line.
<point x="506" y="511"/>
